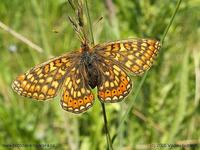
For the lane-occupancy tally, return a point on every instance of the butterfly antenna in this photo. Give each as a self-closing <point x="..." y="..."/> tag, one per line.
<point x="98" y="21"/>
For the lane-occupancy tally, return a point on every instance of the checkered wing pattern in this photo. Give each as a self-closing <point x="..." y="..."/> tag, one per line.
<point x="43" y="81"/>
<point x="115" y="84"/>
<point x="135" y="55"/>
<point x="111" y="63"/>
<point x="77" y="96"/>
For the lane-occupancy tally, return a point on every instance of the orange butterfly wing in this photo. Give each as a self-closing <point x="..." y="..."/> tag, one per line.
<point x="115" y="84"/>
<point x="43" y="81"/>
<point x="135" y="55"/>
<point x="77" y="96"/>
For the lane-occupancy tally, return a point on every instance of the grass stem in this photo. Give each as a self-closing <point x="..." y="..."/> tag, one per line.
<point x="171" y="20"/>
<point x="144" y="77"/>
<point x="108" y="137"/>
<point x="90" y="23"/>
<point x="106" y="127"/>
<point x="20" y="37"/>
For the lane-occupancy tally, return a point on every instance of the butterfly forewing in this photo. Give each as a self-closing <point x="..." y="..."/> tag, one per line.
<point x="115" y="84"/>
<point x="43" y="81"/>
<point x="77" y="96"/>
<point x="135" y="55"/>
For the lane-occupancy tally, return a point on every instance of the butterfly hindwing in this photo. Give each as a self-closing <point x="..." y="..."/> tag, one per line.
<point x="135" y="55"/>
<point x="115" y="84"/>
<point x="77" y="96"/>
<point x="43" y="81"/>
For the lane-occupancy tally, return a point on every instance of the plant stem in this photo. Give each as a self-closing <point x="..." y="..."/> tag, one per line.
<point x="20" y="37"/>
<point x="109" y="142"/>
<point x="145" y="75"/>
<point x="106" y="126"/>
<point x="90" y="23"/>
<point x="171" y="20"/>
<point x="130" y="107"/>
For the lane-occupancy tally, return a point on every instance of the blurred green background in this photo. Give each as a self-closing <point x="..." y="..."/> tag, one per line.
<point x="167" y="108"/>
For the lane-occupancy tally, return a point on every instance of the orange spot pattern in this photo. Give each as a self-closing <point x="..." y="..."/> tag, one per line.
<point x="116" y="91"/>
<point x="77" y="105"/>
<point x="34" y="83"/>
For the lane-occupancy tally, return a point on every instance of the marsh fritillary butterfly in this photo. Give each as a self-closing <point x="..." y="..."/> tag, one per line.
<point x="104" y="66"/>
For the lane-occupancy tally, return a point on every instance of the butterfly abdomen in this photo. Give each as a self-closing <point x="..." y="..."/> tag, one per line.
<point x="93" y="78"/>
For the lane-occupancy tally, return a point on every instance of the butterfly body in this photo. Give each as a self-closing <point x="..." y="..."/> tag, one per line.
<point x="105" y="66"/>
<point x="89" y="59"/>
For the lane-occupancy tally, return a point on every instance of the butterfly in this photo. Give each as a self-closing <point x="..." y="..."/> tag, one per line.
<point x="105" y="66"/>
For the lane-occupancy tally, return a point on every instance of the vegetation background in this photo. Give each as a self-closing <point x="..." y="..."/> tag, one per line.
<point x="167" y="107"/>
